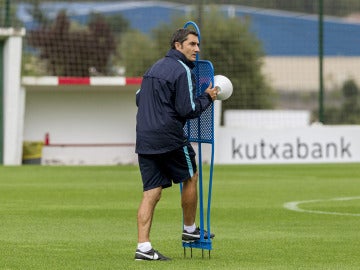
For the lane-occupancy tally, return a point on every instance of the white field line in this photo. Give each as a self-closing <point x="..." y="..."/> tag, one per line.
<point x="294" y="206"/>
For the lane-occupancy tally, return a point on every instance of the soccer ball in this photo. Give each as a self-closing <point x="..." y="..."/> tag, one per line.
<point x="224" y="85"/>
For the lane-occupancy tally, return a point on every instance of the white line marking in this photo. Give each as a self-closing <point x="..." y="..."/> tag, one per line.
<point x="294" y="206"/>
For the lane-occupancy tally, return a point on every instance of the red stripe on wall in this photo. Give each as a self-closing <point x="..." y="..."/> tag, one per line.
<point x="135" y="80"/>
<point x="74" y="80"/>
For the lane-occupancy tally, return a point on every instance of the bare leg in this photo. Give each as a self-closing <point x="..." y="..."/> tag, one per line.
<point x="189" y="200"/>
<point x="145" y="213"/>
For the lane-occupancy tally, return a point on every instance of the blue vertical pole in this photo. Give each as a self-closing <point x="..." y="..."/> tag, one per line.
<point x="199" y="130"/>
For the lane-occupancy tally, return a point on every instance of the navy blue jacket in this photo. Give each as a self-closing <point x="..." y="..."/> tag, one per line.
<point x="166" y="99"/>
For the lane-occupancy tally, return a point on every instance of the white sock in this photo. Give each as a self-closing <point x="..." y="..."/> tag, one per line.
<point x="144" y="247"/>
<point x="190" y="229"/>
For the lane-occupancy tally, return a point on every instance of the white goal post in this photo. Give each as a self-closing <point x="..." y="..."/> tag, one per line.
<point x="13" y="97"/>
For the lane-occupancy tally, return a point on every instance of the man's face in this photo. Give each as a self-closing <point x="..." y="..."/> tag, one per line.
<point x="189" y="47"/>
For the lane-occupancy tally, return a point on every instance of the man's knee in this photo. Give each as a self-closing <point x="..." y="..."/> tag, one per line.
<point x="153" y="195"/>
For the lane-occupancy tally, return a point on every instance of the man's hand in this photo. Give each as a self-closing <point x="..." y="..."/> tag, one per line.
<point x="212" y="91"/>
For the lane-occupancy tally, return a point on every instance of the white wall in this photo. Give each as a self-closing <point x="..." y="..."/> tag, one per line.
<point x="266" y="118"/>
<point x="82" y="115"/>
<point x="302" y="73"/>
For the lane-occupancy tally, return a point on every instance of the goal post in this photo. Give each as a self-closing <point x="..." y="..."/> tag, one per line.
<point x="11" y="96"/>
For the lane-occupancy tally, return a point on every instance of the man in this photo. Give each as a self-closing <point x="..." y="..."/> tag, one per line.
<point x="165" y="101"/>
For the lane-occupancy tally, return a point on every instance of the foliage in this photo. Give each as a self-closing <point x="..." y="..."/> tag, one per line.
<point x="32" y="65"/>
<point x="229" y="45"/>
<point x="37" y="13"/>
<point x="236" y="53"/>
<point x="137" y="52"/>
<point x="351" y="105"/>
<point x="64" y="49"/>
<point x="349" y="111"/>
<point x="117" y="23"/>
<point x="8" y="15"/>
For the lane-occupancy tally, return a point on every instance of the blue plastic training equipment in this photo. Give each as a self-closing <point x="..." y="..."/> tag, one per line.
<point x="201" y="130"/>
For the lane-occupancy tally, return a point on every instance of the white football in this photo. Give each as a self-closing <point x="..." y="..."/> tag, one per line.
<point x="224" y="85"/>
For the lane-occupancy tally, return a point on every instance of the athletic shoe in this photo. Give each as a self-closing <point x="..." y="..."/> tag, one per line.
<point x="151" y="255"/>
<point x="189" y="237"/>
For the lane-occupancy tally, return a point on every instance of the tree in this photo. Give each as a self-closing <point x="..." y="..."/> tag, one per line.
<point x="137" y="52"/>
<point x="37" y="13"/>
<point x="349" y="110"/>
<point x="74" y="53"/>
<point x="234" y="51"/>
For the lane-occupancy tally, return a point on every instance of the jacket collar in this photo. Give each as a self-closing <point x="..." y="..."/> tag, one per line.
<point x="180" y="56"/>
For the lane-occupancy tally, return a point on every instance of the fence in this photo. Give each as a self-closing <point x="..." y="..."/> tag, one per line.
<point x="269" y="49"/>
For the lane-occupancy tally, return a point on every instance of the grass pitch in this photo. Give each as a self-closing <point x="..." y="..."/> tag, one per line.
<point x="85" y="218"/>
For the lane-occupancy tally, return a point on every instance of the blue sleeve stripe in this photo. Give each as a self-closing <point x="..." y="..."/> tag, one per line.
<point x="188" y="161"/>
<point x="188" y="72"/>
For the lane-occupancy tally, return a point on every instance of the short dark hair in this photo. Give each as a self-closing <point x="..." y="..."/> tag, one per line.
<point x="180" y="35"/>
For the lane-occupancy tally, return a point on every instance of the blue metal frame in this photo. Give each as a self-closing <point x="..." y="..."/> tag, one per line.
<point x="194" y="132"/>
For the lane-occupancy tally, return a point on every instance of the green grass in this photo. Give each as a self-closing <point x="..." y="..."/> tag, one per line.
<point x="85" y="218"/>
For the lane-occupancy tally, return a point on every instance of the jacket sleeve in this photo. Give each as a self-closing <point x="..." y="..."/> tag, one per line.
<point x="187" y="104"/>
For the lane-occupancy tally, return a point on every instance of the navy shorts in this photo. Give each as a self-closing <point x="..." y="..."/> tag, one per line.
<point x="160" y="170"/>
